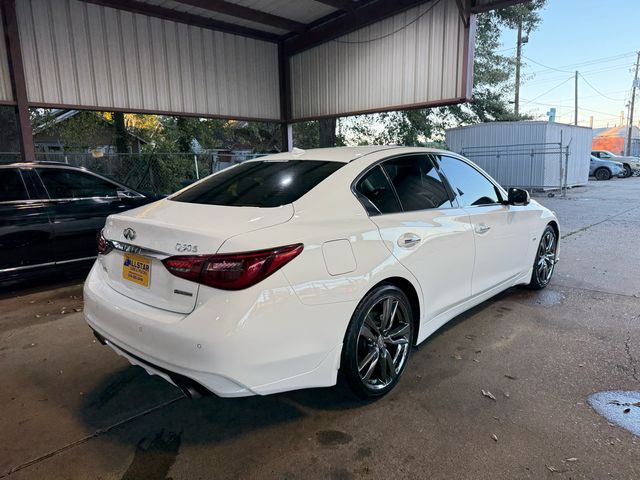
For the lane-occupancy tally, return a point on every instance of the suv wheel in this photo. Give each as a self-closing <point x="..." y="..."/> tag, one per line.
<point x="602" y="174"/>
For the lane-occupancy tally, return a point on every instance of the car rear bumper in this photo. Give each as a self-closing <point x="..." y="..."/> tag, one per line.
<point x="257" y="341"/>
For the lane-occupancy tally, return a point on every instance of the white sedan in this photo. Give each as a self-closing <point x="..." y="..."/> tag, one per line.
<point x="287" y="271"/>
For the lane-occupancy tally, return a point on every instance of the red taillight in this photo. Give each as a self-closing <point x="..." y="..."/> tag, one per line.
<point x="103" y="245"/>
<point x="232" y="271"/>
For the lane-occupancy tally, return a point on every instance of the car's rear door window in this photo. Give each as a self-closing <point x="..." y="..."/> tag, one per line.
<point x="66" y="183"/>
<point x="376" y="193"/>
<point x="417" y="183"/>
<point x="12" y="187"/>
<point x="264" y="183"/>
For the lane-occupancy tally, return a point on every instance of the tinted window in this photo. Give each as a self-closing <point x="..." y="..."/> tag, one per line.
<point x="377" y="193"/>
<point x="260" y="184"/>
<point x="64" y="183"/>
<point x="469" y="185"/>
<point x="417" y="183"/>
<point x="11" y="186"/>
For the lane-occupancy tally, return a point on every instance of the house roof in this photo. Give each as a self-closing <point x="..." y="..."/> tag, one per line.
<point x="616" y="132"/>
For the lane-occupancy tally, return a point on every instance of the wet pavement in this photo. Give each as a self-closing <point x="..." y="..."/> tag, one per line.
<point x="552" y="361"/>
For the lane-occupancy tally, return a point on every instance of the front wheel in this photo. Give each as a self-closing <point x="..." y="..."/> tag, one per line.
<point x="545" y="261"/>
<point x="627" y="171"/>
<point x="602" y="174"/>
<point x="378" y="342"/>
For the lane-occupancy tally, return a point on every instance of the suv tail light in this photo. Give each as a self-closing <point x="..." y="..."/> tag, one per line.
<point x="232" y="271"/>
<point x="103" y="245"/>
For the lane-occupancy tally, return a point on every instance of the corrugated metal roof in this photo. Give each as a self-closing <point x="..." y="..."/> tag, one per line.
<point x="83" y="55"/>
<point x="413" y="58"/>
<point x="304" y="11"/>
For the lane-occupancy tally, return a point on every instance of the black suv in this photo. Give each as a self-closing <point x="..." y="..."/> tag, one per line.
<point x="50" y="214"/>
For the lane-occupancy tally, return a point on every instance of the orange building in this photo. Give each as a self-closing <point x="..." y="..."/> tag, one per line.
<point x="614" y="140"/>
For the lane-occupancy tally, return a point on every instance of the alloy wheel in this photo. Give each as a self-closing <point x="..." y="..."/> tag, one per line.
<point x="546" y="259"/>
<point x="383" y="343"/>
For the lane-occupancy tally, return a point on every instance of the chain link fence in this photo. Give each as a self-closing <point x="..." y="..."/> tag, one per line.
<point x="540" y="166"/>
<point x="157" y="173"/>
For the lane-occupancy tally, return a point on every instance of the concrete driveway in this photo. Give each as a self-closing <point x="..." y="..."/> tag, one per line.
<point x="73" y="409"/>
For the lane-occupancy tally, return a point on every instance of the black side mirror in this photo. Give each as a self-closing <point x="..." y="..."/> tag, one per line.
<point x="518" y="197"/>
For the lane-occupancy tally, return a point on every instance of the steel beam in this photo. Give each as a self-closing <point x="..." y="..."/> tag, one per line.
<point x="284" y="79"/>
<point x="246" y="13"/>
<point x="343" y="24"/>
<point x="339" y="4"/>
<point x="188" y="18"/>
<point x="18" y="84"/>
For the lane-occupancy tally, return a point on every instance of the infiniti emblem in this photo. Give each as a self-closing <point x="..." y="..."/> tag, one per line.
<point x="129" y="233"/>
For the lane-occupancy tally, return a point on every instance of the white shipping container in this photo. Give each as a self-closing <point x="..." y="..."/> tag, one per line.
<point x="527" y="154"/>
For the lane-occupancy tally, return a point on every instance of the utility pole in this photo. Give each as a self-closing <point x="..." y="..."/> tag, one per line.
<point x="516" y="108"/>
<point x="575" y="120"/>
<point x="633" y="101"/>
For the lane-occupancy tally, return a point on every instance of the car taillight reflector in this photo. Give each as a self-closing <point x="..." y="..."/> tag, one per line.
<point x="104" y="246"/>
<point x="232" y="271"/>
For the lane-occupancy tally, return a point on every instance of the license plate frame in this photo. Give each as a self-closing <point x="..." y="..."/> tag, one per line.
<point x="136" y="269"/>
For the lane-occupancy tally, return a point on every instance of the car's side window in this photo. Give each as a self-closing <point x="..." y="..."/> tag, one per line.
<point x="65" y="183"/>
<point x="417" y="183"/>
<point x="12" y="187"/>
<point x="469" y="185"/>
<point x="376" y="193"/>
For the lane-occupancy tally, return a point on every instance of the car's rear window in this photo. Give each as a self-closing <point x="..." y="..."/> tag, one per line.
<point x="260" y="183"/>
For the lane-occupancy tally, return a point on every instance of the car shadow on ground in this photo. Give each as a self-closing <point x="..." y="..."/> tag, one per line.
<point x="129" y="405"/>
<point x="144" y="411"/>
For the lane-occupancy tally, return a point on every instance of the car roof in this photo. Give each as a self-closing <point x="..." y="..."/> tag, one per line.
<point x="339" y="154"/>
<point x="46" y="163"/>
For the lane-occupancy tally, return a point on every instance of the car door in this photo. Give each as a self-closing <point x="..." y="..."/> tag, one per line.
<point x="25" y="226"/>
<point x="423" y="229"/>
<point x="80" y="202"/>
<point x="501" y="232"/>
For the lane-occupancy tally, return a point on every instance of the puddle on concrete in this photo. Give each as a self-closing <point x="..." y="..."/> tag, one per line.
<point x="613" y="405"/>
<point x="540" y="298"/>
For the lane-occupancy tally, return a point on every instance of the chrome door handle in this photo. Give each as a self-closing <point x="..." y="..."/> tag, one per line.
<point x="408" y="240"/>
<point x="482" y="228"/>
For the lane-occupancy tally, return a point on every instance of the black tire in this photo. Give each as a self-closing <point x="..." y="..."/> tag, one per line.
<point x="358" y="344"/>
<point x="602" y="174"/>
<point x="627" y="171"/>
<point x="546" y="253"/>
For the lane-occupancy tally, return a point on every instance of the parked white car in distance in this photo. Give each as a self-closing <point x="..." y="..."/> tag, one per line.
<point x="284" y="271"/>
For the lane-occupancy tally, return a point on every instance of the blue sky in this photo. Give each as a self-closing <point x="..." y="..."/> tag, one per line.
<point x="598" y="38"/>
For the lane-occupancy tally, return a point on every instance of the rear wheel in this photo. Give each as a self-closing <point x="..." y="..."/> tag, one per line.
<point x="602" y="174"/>
<point x="545" y="261"/>
<point x="378" y="342"/>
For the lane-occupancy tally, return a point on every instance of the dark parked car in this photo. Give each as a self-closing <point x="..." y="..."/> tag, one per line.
<point x="50" y="214"/>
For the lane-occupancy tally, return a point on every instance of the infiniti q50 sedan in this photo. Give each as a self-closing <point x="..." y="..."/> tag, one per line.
<point x="290" y="270"/>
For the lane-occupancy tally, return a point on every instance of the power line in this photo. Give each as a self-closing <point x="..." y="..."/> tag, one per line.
<point x="550" y="90"/>
<point x="582" y="64"/>
<point x="569" y="106"/>
<point x="587" y="72"/>
<point x="599" y="92"/>
<point x="546" y="66"/>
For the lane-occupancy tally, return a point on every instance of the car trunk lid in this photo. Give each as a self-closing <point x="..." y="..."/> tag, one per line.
<point x="145" y="236"/>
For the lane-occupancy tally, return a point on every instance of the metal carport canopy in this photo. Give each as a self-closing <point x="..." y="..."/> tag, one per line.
<point x="271" y="60"/>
